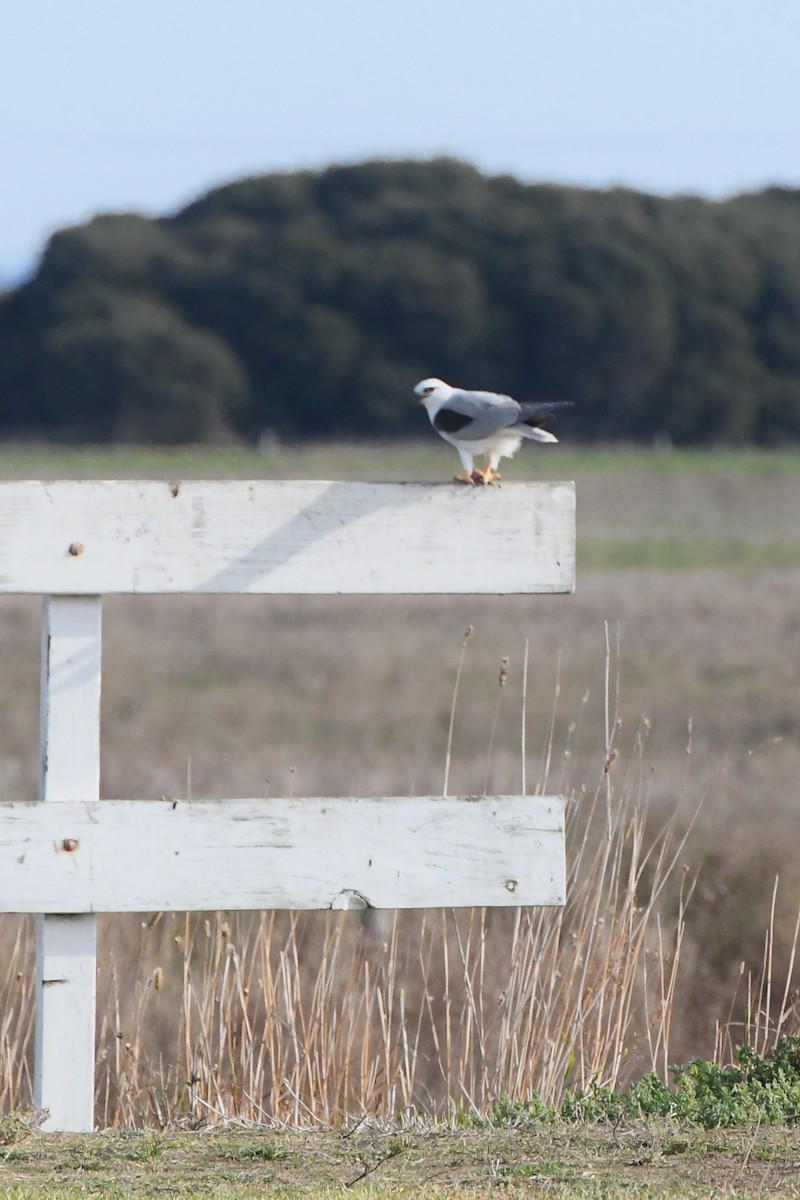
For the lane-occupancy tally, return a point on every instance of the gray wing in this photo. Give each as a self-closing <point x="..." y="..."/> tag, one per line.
<point x="475" y="415"/>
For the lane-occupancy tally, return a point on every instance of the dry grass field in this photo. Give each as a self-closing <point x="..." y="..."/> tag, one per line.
<point x="663" y="699"/>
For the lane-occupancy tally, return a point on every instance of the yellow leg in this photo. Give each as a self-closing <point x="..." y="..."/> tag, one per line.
<point x="466" y="478"/>
<point x="489" y="475"/>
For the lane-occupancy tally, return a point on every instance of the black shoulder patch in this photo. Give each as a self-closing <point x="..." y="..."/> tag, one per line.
<point x="449" y="421"/>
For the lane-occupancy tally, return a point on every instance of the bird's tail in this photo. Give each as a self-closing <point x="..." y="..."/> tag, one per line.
<point x="534" y="434"/>
<point x="533" y="413"/>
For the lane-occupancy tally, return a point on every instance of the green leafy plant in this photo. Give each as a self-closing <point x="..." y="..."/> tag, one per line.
<point x="756" y="1088"/>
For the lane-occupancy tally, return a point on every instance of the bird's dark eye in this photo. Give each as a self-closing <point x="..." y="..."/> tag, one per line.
<point x="427" y="391"/>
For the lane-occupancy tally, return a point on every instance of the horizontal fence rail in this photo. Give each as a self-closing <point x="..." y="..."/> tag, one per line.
<point x="70" y="855"/>
<point x="397" y="852"/>
<point x="108" y="537"/>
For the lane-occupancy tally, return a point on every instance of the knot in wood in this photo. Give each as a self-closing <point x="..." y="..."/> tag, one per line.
<point x="75" y="548"/>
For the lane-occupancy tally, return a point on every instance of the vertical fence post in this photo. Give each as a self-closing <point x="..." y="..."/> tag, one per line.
<point x="66" y="945"/>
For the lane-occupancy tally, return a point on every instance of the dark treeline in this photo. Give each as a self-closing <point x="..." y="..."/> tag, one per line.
<point x="309" y="304"/>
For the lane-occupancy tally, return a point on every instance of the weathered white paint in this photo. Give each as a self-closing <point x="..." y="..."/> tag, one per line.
<point x="69" y="713"/>
<point x="64" y="1041"/>
<point x="69" y="767"/>
<point x="73" y="542"/>
<point x="399" y="852"/>
<point x="104" y="537"/>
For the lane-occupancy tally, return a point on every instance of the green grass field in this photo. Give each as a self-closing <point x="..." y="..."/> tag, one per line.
<point x="391" y="461"/>
<point x="640" y="1162"/>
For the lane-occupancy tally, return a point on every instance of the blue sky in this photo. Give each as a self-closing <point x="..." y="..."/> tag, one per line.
<point x="112" y="105"/>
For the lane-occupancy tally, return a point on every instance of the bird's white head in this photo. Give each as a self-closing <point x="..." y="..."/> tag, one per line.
<point x="433" y="393"/>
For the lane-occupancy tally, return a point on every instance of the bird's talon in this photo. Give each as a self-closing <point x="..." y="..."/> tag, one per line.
<point x="469" y="479"/>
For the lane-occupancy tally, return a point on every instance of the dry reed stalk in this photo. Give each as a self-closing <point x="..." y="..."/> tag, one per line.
<point x="502" y="680"/>
<point x="16" y="1018"/>
<point x="449" y="1014"/>
<point x="454" y="704"/>
<point x="316" y="1018"/>
<point x="309" y="1021"/>
<point x="306" y="1019"/>
<point x="760" y="1028"/>
<point x="549" y="742"/>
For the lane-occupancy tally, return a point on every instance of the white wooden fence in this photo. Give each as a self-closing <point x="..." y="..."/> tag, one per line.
<point x="74" y="856"/>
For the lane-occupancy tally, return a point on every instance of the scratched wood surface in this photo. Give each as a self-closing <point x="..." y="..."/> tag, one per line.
<point x="413" y="852"/>
<point x="66" y="966"/>
<point x="103" y="537"/>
